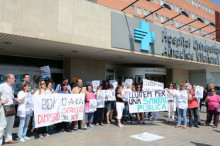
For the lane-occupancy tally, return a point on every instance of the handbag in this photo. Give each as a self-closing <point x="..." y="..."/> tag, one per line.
<point x="217" y="108"/>
<point x="9" y="110"/>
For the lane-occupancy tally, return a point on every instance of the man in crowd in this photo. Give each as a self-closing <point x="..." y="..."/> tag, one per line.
<point x="7" y="98"/>
<point x="27" y="78"/>
<point x="77" y="90"/>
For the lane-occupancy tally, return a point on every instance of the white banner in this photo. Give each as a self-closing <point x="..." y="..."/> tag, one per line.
<point x="92" y="105"/>
<point x="72" y="107"/>
<point x="29" y="105"/>
<point x="110" y="95"/>
<point x="147" y="101"/>
<point x="128" y="82"/>
<point x="149" y="85"/>
<point x="199" y="92"/>
<point x="45" y="71"/>
<point x="55" y="108"/>
<point x="101" y="95"/>
<point x="95" y="84"/>
<point x="47" y="110"/>
<point x="114" y="83"/>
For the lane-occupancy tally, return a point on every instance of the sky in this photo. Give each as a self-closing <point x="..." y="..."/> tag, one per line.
<point x="216" y="1"/>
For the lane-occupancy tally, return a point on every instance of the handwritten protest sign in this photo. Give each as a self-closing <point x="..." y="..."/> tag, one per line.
<point x="147" y="101"/>
<point x="55" y="108"/>
<point x="45" y="72"/>
<point x="92" y="105"/>
<point x="126" y="97"/>
<point x="101" y="95"/>
<point x="72" y="107"/>
<point x="95" y="84"/>
<point x="47" y="110"/>
<point x="199" y="92"/>
<point x="152" y="85"/>
<point x="101" y="104"/>
<point x="29" y="105"/>
<point x="128" y="82"/>
<point x="114" y="83"/>
<point x="110" y="95"/>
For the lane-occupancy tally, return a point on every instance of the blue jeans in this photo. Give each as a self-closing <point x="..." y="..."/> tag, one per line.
<point x="181" y="112"/>
<point x="125" y="112"/>
<point x="89" y="117"/>
<point x="23" y="126"/>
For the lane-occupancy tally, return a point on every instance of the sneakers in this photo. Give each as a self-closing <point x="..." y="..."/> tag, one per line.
<point x="26" y="138"/>
<point x="91" y="126"/>
<point x="22" y="140"/>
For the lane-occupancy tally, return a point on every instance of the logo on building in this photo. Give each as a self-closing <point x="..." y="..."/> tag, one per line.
<point x="144" y="35"/>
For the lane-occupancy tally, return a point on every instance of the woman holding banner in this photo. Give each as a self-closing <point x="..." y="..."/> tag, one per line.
<point x="171" y="104"/>
<point x="139" y="89"/>
<point x="119" y="104"/>
<point x="99" y="115"/>
<point x="182" y="96"/>
<point x="110" y="105"/>
<point x="22" y="112"/>
<point x="42" y="90"/>
<point x="63" y="125"/>
<point x="89" y="114"/>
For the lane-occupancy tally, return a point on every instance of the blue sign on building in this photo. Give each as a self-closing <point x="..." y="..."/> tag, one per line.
<point x="144" y="35"/>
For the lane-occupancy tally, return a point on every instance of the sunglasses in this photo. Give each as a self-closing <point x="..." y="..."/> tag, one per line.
<point x="212" y="91"/>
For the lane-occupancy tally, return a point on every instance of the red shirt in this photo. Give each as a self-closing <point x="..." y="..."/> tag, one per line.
<point x="193" y="103"/>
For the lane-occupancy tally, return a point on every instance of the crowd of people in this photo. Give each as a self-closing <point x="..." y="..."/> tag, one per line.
<point x="181" y="103"/>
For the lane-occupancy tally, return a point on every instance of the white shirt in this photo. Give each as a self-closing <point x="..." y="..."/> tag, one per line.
<point x="42" y="92"/>
<point x="21" y="105"/>
<point x="181" y="99"/>
<point x="171" y="97"/>
<point x="6" y="92"/>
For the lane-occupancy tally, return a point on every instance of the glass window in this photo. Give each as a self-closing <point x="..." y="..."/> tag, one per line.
<point x="152" y="15"/>
<point x="171" y="6"/>
<point x="196" y="16"/>
<point x="181" y="9"/>
<point x="193" y="16"/>
<point x="203" y="19"/>
<point x="185" y="27"/>
<point x="167" y="18"/>
<point x="157" y="16"/>
<point x="210" y="11"/>
<point x="172" y="22"/>
<point x="185" y="0"/>
<point x="176" y="9"/>
<point x="193" y="28"/>
<point x="203" y="32"/>
<point x="203" y="7"/>
<point x="139" y="10"/>
<point x="189" y="1"/>
<point x="213" y="35"/>
<point x="162" y="18"/>
<point x="207" y="21"/>
<point x="200" y="32"/>
<point x="132" y="8"/>
<point x="161" y="2"/>
<point x="196" y="4"/>
<point x="189" y="26"/>
<point x="181" y="24"/>
<point x="167" y="3"/>
<point x="207" y="9"/>
<point x="189" y="13"/>
<point x="177" y="23"/>
<point x="193" y="2"/>
<point x="157" y="2"/>
<point x="199" y="5"/>
<point x="185" y="10"/>
<point x="145" y="12"/>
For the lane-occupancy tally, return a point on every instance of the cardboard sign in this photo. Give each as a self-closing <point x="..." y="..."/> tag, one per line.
<point x="95" y="84"/>
<point x="199" y="92"/>
<point x="128" y="82"/>
<point x="149" y="85"/>
<point x="92" y="105"/>
<point x="29" y="105"/>
<point x="110" y="95"/>
<point x="101" y="95"/>
<point x="45" y="71"/>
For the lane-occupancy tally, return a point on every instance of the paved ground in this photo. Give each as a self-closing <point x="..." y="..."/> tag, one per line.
<point x="112" y="135"/>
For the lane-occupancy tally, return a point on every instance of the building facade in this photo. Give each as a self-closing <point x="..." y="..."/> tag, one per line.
<point x="80" y="38"/>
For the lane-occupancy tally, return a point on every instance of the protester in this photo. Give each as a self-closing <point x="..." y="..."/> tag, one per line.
<point x="99" y="118"/>
<point x="65" y="80"/>
<point x="110" y="106"/>
<point x="126" y="109"/>
<point x="119" y="104"/>
<point x="182" y="96"/>
<point x="89" y="114"/>
<point x="171" y="104"/>
<point x="63" y="125"/>
<point x="78" y="90"/>
<point x="193" y="109"/>
<point x="49" y="85"/>
<point x="22" y="112"/>
<point x="36" y="79"/>
<point x="7" y="99"/>
<point x="138" y="89"/>
<point x="42" y="90"/>
<point x="213" y="102"/>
